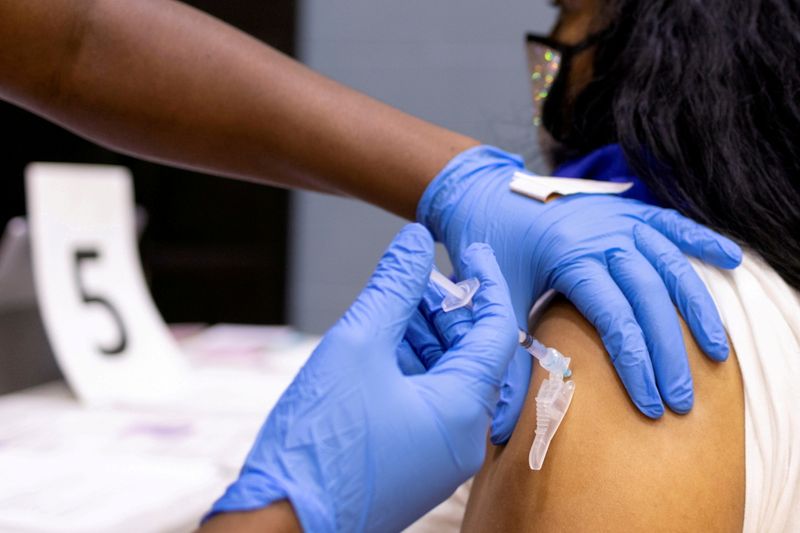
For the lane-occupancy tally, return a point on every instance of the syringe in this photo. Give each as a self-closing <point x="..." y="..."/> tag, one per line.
<point x="459" y="295"/>
<point x="555" y="394"/>
<point x="551" y="359"/>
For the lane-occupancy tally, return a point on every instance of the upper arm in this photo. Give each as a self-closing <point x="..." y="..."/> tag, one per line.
<point x="609" y="467"/>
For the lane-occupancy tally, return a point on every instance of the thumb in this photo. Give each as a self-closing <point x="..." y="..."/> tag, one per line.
<point x="483" y="353"/>
<point x="385" y="306"/>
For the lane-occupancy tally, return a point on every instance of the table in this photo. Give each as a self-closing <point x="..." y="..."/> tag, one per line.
<point x="71" y="468"/>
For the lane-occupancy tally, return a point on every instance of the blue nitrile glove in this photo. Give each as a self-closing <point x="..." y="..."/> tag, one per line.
<point x="353" y="443"/>
<point x="619" y="261"/>
<point x="432" y="331"/>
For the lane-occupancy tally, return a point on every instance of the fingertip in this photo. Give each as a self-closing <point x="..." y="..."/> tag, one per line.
<point x="681" y="400"/>
<point x="711" y="335"/>
<point x="652" y="411"/>
<point x="649" y="405"/>
<point x="412" y="251"/>
<point x="415" y="227"/>
<point x="719" y="250"/>
<point x="682" y="408"/>
<point x="731" y="251"/>
<point x="719" y="352"/>
<point x="478" y="261"/>
<point x="417" y="238"/>
<point x="636" y="372"/>
<point x="397" y="284"/>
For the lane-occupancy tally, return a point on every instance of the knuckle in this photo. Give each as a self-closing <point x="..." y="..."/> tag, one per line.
<point x="668" y="216"/>
<point x="670" y="259"/>
<point x="684" y="275"/>
<point x="667" y="221"/>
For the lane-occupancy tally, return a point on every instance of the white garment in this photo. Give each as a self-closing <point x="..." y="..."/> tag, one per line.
<point x="762" y="316"/>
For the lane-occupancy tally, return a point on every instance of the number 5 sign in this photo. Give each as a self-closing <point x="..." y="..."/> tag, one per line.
<point x="107" y="335"/>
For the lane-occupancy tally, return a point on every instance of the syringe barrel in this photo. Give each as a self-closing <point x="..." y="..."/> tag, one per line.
<point x="551" y="359"/>
<point x="531" y="345"/>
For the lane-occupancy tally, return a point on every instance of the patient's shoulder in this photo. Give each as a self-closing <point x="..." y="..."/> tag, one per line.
<point x="610" y="468"/>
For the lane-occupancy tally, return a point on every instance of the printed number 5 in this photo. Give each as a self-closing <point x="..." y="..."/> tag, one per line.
<point x="82" y="255"/>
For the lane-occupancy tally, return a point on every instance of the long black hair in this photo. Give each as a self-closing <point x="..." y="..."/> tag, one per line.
<point x="702" y="95"/>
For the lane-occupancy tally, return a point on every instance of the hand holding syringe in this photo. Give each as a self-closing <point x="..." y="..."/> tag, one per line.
<point x="554" y="396"/>
<point x="460" y="295"/>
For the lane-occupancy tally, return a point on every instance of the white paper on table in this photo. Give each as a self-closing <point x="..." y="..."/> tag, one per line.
<point x="276" y="351"/>
<point x="104" y="328"/>
<point x="74" y="492"/>
<point x="238" y="341"/>
<point x="543" y="187"/>
<point x="67" y="467"/>
<point x="144" y="468"/>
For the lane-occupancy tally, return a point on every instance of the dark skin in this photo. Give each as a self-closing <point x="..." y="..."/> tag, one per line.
<point x="199" y="94"/>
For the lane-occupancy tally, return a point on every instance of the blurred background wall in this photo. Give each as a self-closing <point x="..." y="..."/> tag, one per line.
<point x="458" y="63"/>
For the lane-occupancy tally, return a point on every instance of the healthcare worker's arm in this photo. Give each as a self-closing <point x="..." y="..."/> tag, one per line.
<point x="165" y="82"/>
<point x="356" y="444"/>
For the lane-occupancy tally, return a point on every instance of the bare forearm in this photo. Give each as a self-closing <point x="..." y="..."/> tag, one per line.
<point x="163" y="81"/>
<point x="276" y="518"/>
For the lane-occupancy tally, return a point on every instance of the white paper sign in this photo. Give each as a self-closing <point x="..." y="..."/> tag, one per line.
<point x="105" y="331"/>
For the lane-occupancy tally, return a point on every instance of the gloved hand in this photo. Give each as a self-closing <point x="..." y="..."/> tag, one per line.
<point x="619" y="261"/>
<point x="356" y="445"/>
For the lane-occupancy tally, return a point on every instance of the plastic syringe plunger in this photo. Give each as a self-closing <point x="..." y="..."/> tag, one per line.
<point x="457" y="295"/>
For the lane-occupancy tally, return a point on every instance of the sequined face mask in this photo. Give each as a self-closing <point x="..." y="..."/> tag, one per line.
<point x="548" y="58"/>
<point x="544" y="63"/>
